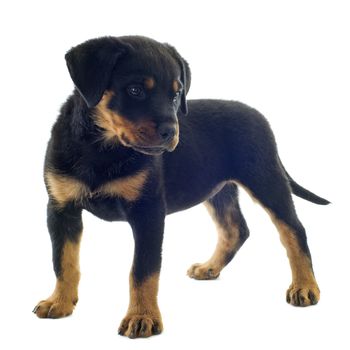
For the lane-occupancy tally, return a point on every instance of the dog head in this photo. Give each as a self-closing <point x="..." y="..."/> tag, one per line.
<point x="135" y="87"/>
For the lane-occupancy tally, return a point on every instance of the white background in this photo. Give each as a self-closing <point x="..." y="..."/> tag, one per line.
<point x="288" y="59"/>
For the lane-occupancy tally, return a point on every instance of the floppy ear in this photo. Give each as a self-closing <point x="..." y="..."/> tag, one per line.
<point x="185" y="76"/>
<point x="90" y="66"/>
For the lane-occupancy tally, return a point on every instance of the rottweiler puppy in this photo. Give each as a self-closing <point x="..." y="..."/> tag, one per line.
<point x="128" y="146"/>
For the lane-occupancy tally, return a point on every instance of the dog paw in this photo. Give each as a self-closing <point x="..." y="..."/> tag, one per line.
<point x="140" y="326"/>
<point x="203" y="272"/>
<point x="54" y="308"/>
<point x="303" y="295"/>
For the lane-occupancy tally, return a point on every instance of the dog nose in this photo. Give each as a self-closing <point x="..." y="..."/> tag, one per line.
<point x="166" y="131"/>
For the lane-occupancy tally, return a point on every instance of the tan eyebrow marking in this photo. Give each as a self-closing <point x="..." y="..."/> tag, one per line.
<point x="176" y="85"/>
<point x="149" y="83"/>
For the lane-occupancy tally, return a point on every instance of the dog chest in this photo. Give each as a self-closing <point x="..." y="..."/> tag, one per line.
<point x="65" y="189"/>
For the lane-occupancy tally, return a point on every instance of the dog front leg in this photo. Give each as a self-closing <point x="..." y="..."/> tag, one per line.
<point x="65" y="228"/>
<point x="143" y="317"/>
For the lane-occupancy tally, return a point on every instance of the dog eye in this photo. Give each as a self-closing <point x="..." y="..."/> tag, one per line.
<point x="135" y="91"/>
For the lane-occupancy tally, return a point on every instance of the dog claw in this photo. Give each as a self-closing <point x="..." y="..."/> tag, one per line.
<point x="140" y="326"/>
<point x="36" y="309"/>
<point x="52" y="308"/>
<point x="210" y="273"/>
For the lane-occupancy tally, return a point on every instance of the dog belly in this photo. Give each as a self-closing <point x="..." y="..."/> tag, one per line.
<point x="108" y="209"/>
<point x="189" y="197"/>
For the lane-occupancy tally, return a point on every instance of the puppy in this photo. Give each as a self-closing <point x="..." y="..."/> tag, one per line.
<point x="128" y="146"/>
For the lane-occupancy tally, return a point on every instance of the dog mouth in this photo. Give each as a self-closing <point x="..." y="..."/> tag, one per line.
<point x="152" y="151"/>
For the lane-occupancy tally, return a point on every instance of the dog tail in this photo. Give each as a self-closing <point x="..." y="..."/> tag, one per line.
<point x="306" y="194"/>
<point x="303" y="192"/>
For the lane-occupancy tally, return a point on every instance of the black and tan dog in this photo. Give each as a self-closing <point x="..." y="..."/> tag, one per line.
<point x="126" y="146"/>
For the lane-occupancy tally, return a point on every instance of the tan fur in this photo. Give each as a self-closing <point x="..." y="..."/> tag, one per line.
<point x="228" y="239"/>
<point x="143" y="308"/>
<point x="175" y="140"/>
<point x="300" y="263"/>
<point x="62" y="301"/>
<point x="116" y="128"/>
<point x="129" y="188"/>
<point x="303" y="279"/>
<point x="176" y="86"/>
<point x="143" y="297"/>
<point x="149" y="83"/>
<point x="65" y="189"/>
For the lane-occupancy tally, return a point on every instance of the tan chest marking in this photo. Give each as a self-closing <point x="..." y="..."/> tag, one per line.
<point x="129" y="188"/>
<point x="65" y="189"/>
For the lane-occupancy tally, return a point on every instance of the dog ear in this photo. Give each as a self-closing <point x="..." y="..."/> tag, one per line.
<point x="185" y="76"/>
<point x="90" y="66"/>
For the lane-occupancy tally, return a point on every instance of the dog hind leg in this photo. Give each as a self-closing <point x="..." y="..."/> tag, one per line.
<point x="272" y="190"/>
<point x="232" y="232"/>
